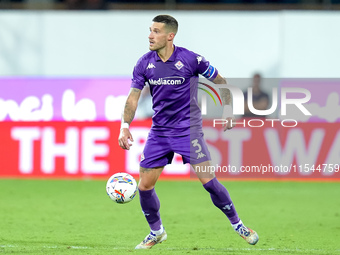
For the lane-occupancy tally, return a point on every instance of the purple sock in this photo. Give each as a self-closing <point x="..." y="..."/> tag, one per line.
<point x="150" y="206"/>
<point x="221" y="199"/>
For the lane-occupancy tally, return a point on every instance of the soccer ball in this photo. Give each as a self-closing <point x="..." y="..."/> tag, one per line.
<point x="121" y="188"/>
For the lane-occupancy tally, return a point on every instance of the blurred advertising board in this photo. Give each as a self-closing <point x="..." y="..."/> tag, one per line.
<point x="72" y="150"/>
<point x="62" y="99"/>
<point x="69" y="127"/>
<point x="90" y="150"/>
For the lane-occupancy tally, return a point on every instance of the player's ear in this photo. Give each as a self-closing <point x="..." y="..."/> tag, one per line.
<point x="171" y="36"/>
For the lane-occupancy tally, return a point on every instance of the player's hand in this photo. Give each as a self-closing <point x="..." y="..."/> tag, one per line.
<point x="124" y="138"/>
<point x="229" y="117"/>
<point x="230" y="123"/>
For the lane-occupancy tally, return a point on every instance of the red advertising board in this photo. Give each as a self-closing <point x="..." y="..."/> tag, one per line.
<point x="90" y="150"/>
<point x="307" y="151"/>
<point x="59" y="149"/>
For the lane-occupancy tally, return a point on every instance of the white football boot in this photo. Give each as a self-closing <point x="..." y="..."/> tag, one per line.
<point x="247" y="234"/>
<point x="151" y="240"/>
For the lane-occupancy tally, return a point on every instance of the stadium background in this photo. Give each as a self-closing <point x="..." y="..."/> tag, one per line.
<point x="65" y="70"/>
<point x="65" y="67"/>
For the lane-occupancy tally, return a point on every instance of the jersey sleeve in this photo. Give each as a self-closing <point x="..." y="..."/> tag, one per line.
<point x="138" y="78"/>
<point x="205" y="69"/>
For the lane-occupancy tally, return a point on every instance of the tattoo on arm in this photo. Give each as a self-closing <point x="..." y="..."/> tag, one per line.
<point x="225" y="93"/>
<point x="131" y="105"/>
<point x="129" y="113"/>
<point x="226" y="96"/>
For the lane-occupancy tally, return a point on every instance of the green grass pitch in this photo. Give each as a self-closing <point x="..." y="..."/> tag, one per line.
<point x="77" y="217"/>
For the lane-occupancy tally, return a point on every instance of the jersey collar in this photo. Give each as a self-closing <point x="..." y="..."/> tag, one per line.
<point x="172" y="57"/>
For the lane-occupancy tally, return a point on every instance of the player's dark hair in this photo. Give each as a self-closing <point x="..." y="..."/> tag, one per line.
<point x="169" y="21"/>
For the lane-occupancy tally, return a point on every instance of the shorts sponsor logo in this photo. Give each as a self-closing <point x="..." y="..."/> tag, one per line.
<point x="201" y="155"/>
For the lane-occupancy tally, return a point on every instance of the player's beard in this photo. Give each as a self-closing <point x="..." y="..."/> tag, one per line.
<point x="157" y="46"/>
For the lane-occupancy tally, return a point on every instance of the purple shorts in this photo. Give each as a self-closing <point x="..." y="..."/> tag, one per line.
<point x="159" y="150"/>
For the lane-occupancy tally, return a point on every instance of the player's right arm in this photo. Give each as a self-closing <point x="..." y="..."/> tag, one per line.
<point x="127" y="117"/>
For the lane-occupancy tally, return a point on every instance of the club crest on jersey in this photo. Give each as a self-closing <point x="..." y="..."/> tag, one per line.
<point x="179" y="65"/>
<point x="150" y="65"/>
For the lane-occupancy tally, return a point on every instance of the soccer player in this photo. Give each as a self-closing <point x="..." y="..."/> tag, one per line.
<point x="176" y="124"/>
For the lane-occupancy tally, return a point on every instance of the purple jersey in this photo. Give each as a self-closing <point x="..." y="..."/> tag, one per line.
<point x="173" y="86"/>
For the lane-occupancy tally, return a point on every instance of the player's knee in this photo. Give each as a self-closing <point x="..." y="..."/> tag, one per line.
<point x="145" y="185"/>
<point x="148" y="177"/>
<point x="205" y="180"/>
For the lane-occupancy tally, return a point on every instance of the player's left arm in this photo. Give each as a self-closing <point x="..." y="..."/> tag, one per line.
<point x="227" y="100"/>
<point x="208" y="71"/>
